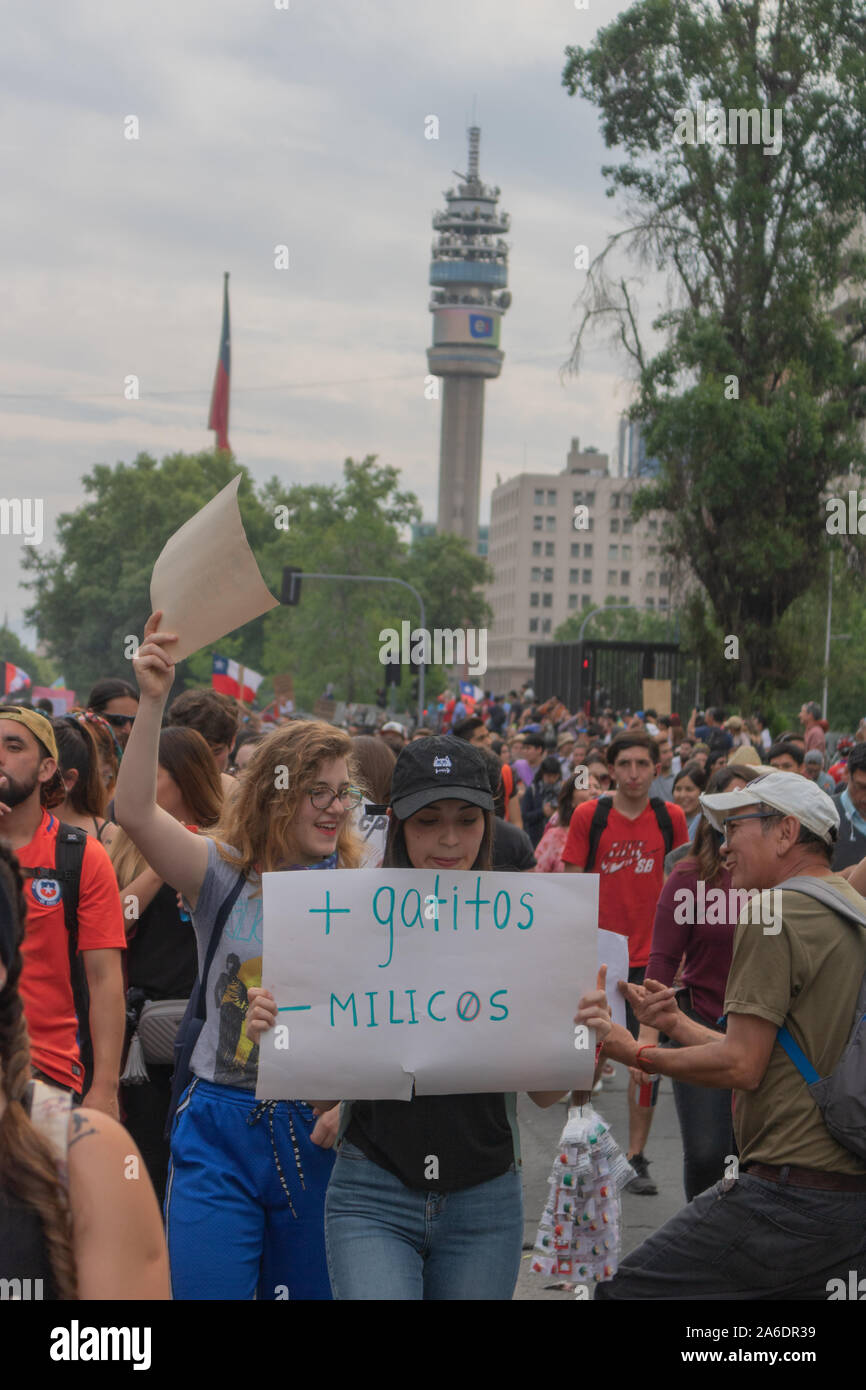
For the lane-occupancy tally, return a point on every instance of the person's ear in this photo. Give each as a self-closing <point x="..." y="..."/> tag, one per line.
<point x="47" y="769"/>
<point x="70" y="778"/>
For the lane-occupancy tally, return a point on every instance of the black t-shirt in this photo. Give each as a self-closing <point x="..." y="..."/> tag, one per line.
<point x="161" y="956"/>
<point x="512" y="848"/>
<point x="851" y="845"/>
<point x="23" y="1250"/>
<point x="438" y="1143"/>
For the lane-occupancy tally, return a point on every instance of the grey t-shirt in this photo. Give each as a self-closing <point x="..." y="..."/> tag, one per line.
<point x="223" y="1052"/>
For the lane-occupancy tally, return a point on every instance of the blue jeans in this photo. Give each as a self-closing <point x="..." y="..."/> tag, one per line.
<point x="386" y="1241"/>
<point x="232" y="1230"/>
<point x="747" y="1238"/>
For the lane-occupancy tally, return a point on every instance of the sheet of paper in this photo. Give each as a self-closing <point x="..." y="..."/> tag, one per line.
<point x="613" y="952"/>
<point x="206" y="580"/>
<point x="461" y="981"/>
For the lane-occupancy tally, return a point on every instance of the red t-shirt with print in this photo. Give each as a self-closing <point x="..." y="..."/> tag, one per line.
<point x="630" y="862"/>
<point x="46" y="989"/>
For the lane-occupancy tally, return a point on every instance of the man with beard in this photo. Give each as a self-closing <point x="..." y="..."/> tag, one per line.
<point x="30" y="784"/>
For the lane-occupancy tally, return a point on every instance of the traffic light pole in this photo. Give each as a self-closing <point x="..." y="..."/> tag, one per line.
<point x="384" y="579"/>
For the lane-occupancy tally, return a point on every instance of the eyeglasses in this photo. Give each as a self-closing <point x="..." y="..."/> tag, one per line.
<point x="753" y="815"/>
<point x="117" y="721"/>
<point x="322" y="797"/>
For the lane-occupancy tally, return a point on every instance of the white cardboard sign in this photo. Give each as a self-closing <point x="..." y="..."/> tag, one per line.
<point x="456" y="982"/>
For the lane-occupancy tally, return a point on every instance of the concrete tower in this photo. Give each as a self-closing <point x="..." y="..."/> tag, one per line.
<point x="469" y="272"/>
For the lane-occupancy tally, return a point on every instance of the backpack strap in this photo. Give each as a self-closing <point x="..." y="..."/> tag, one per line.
<point x="832" y="898"/>
<point x="49" y="1109"/>
<point x="665" y="824"/>
<point x="597" y="829"/>
<point x="219" y="922"/>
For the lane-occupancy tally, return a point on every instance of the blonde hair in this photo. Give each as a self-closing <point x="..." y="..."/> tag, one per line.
<point x="254" y="832"/>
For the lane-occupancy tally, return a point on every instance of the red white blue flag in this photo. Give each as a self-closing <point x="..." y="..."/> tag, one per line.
<point x="12" y="678"/>
<point x="219" y="402"/>
<point x="231" y="679"/>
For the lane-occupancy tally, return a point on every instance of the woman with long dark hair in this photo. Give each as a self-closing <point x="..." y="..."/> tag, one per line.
<point x="71" y="1222"/>
<point x="86" y="792"/>
<point x="161" y="958"/>
<point x="399" y="1227"/>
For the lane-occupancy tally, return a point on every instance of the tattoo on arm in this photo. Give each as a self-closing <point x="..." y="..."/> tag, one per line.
<point x="78" y="1128"/>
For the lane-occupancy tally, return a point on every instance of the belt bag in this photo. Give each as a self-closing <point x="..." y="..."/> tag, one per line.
<point x="157" y="1029"/>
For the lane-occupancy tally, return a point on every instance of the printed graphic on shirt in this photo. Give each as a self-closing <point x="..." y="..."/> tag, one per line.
<point x="235" y="1051"/>
<point x="627" y="854"/>
<point x="45" y="891"/>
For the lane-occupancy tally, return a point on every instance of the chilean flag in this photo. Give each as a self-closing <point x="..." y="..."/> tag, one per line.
<point x="12" y="678"/>
<point x="229" y="678"/>
<point x="219" y="402"/>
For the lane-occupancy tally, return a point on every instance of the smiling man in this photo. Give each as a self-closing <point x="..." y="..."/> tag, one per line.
<point x="794" y="1216"/>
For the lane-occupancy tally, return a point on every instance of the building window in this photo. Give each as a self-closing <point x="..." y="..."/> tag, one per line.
<point x="575" y="550"/>
<point x="650" y="603"/>
<point x="548" y="547"/>
<point x="587" y="550"/>
<point x="614" y="525"/>
<point x="536" y="547"/>
<point x="551" y="497"/>
<point x="535" y="574"/>
<point x="572" y="600"/>
<point x="663" y="603"/>
<point x="626" y="527"/>
<point x="537" y="523"/>
<point x="653" y="526"/>
<point x="611" y="576"/>
<point x="548" y="575"/>
<point x="590" y="499"/>
<point x="547" y="600"/>
<point x="664" y="579"/>
<point x="531" y="651"/>
<point x="578" y="498"/>
<point x="651" y="580"/>
<point x="534" y="600"/>
<point x="587" y="577"/>
<point x="550" y="523"/>
<point x="574" y="576"/>
<point x="626" y="552"/>
<point x="591" y="524"/>
<point x="614" y="502"/>
<point x="545" y="626"/>
<point x="625" y="577"/>
<point x="586" y="601"/>
<point x="652" y="550"/>
<point x="538" y="497"/>
<point x="533" y="624"/>
<point x="613" y="552"/>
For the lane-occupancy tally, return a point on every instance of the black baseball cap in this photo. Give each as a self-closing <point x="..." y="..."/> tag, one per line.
<point x="440" y="768"/>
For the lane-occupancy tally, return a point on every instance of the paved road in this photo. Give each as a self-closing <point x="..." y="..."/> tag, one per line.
<point x="539" y="1135"/>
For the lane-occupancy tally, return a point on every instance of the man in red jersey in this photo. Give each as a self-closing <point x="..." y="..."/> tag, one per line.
<point x="629" y="857"/>
<point x="29" y="786"/>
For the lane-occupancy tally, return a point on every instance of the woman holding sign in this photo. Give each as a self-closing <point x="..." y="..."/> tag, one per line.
<point x="425" y="1200"/>
<point x="244" y="1204"/>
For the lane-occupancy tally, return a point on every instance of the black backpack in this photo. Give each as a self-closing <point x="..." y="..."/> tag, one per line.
<point x="600" y="819"/>
<point x="69" y="857"/>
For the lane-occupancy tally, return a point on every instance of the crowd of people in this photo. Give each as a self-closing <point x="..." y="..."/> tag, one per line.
<point x="133" y="835"/>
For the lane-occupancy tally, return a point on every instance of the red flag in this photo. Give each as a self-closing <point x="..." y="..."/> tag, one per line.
<point x="219" y="402"/>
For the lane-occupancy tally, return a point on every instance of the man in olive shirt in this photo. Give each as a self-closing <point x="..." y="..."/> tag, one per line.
<point x="792" y="1216"/>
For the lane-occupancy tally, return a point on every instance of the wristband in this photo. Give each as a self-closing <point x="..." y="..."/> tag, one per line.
<point x="643" y="1049"/>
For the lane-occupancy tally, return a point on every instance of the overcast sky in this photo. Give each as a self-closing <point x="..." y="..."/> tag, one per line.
<point x="304" y="126"/>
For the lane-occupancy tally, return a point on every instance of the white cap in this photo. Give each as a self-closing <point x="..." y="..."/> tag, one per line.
<point x="788" y="792"/>
<point x="393" y="728"/>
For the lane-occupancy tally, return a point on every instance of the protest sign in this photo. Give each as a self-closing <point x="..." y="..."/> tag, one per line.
<point x="458" y="982"/>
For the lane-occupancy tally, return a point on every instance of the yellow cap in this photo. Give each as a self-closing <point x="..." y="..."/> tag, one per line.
<point x="38" y="725"/>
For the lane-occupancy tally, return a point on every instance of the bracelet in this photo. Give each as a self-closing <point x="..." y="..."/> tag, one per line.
<point x="643" y="1049"/>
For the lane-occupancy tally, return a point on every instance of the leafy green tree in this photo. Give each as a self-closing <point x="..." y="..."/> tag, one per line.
<point x="40" y="669"/>
<point x="756" y="401"/>
<point x="621" y="625"/>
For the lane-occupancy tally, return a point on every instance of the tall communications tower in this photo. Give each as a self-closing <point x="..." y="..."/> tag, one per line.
<point x="469" y="272"/>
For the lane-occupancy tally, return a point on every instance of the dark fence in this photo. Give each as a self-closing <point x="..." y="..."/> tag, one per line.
<point x="590" y="675"/>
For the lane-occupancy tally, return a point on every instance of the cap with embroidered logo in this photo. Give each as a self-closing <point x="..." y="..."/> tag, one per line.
<point x="439" y="768"/>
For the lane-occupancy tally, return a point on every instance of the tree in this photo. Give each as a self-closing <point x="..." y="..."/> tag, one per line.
<point x="95" y="591"/>
<point x="755" y="403"/>
<point x="621" y="625"/>
<point x="40" y="670"/>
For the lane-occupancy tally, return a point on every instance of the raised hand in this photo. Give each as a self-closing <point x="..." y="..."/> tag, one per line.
<point x="153" y="666"/>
